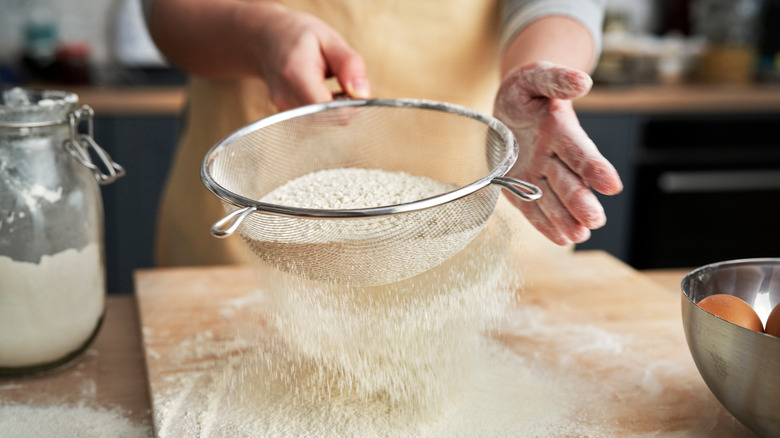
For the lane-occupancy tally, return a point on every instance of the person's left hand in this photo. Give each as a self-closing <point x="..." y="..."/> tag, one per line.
<point x="556" y="154"/>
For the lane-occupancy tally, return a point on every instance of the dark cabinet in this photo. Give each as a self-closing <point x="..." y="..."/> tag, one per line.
<point x="707" y="189"/>
<point x="700" y="187"/>
<point x="144" y="146"/>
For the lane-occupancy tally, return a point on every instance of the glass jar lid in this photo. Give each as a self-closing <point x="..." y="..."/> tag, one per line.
<point x="27" y="108"/>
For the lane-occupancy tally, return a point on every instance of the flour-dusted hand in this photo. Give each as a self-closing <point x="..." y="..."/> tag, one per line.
<point x="535" y="102"/>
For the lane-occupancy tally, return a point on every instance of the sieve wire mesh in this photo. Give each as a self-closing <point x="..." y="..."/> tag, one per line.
<point x="372" y="246"/>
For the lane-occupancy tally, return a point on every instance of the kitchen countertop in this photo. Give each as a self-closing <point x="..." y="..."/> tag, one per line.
<point x="132" y="100"/>
<point x="112" y="373"/>
<point x="109" y="375"/>
<point x="165" y="100"/>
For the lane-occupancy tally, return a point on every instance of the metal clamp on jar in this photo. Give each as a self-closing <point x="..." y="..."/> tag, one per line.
<point x="52" y="268"/>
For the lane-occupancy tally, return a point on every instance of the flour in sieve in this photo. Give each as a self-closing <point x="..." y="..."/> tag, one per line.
<point x="49" y="309"/>
<point x="364" y="251"/>
<point x="344" y="188"/>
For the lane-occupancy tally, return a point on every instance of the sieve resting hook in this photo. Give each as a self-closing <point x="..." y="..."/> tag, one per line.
<point x="523" y="190"/>
<point x="232" y="220"/>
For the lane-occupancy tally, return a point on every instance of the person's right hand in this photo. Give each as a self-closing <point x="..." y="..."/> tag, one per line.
<point x="297" y="53"/>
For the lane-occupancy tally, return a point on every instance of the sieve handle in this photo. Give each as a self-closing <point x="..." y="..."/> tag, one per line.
<point x="523" y="190"/>
<point x="233" y="221"/>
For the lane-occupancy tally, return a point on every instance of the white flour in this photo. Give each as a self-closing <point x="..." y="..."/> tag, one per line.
<point x="409" y="342"/>
<point x="49" y="309"/>
<point x="363" y="251"/>
<point x="334" y="189"/>
<point x="567" y="380"/>
<point x="38" y="193"/>
<point x="428" y="356"/>
<point x="409" y="359"/>
<point x="66" y="421"/>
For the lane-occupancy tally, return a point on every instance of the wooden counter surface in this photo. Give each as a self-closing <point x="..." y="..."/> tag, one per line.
<point x="131" y="101"/>
<point x="112" y="373"/>
<point x="682" y="99"/>
<point x="188" y="315"/>
<point x="638" y="99"/>
<point x="109" y="375"/>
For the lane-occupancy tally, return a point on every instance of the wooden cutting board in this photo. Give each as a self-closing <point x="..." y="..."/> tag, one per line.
<point x="612" y="333"/>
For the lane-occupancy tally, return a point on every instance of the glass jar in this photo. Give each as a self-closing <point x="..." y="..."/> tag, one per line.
<point x="731" y="31"/>
<point x="52" y="268"/>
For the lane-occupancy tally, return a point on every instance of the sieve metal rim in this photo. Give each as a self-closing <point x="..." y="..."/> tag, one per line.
<point x="247" y="205"/>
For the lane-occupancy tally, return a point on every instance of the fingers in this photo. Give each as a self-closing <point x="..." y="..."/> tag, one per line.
<point x="302" y="53"/>
<point x="579" y="206"/>
<point x="544" y="79"/>
<point x="304" y="77"/>
<point x="348" y="67"/>
<point x="551" y="218"/>
<point x="578" y="152"/>
<point x="566" y="165"/>
<point x="571" y="167"/>
<point x="527" y="91"/>
<point x="567" y="209"/>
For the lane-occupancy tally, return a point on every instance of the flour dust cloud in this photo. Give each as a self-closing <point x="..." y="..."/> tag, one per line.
<point x="412" y="358"/>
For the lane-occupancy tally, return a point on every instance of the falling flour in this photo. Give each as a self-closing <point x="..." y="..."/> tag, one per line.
<point x="406" y="359"/>
<point x="49" y="309"/>
<point x="66" y="421"/>
<point x="428" y="356"/>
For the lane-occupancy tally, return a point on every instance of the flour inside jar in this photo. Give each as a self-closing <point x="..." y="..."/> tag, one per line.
<point x="49" y="309"/>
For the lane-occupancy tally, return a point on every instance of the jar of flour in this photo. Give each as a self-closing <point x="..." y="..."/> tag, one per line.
<point x="52" y="271"/>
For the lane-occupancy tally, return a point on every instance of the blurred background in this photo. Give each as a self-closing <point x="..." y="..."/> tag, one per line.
<point x="79" y="42"/>
<point x="686" y="105"/>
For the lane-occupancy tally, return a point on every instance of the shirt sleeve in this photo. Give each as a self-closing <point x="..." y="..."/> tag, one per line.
<point x="517" y="14"/>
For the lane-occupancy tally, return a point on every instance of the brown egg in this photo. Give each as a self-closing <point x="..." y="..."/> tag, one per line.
<point x="732" y="309"/>
<point x="773" y="322"/>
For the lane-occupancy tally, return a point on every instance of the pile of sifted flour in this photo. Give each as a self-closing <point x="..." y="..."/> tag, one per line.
<point x="66" y="421"/>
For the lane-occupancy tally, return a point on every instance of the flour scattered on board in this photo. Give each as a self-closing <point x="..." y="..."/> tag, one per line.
<point x="407" y="359"/>
<point x="66" y="421"/>
<point x="427" y="356"/>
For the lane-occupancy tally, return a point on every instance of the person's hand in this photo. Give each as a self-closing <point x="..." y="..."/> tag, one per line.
<point x="297" y="52"/>
<point x="556" y="154"/>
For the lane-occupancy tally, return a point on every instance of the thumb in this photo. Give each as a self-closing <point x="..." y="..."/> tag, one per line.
<point x="545" y="79"/>
<point x="348" y="67"/>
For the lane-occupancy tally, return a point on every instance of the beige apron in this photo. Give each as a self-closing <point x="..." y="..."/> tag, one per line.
<point x="444" y="50"/>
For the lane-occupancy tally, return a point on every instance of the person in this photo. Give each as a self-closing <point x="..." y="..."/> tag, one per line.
<point x="523" y="60"/>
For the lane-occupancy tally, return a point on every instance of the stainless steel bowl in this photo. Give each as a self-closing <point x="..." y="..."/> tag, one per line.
<point x="741" y="367"/>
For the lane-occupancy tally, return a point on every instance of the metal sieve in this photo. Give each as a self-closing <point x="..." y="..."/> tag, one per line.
<point x="364" y="246"/>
